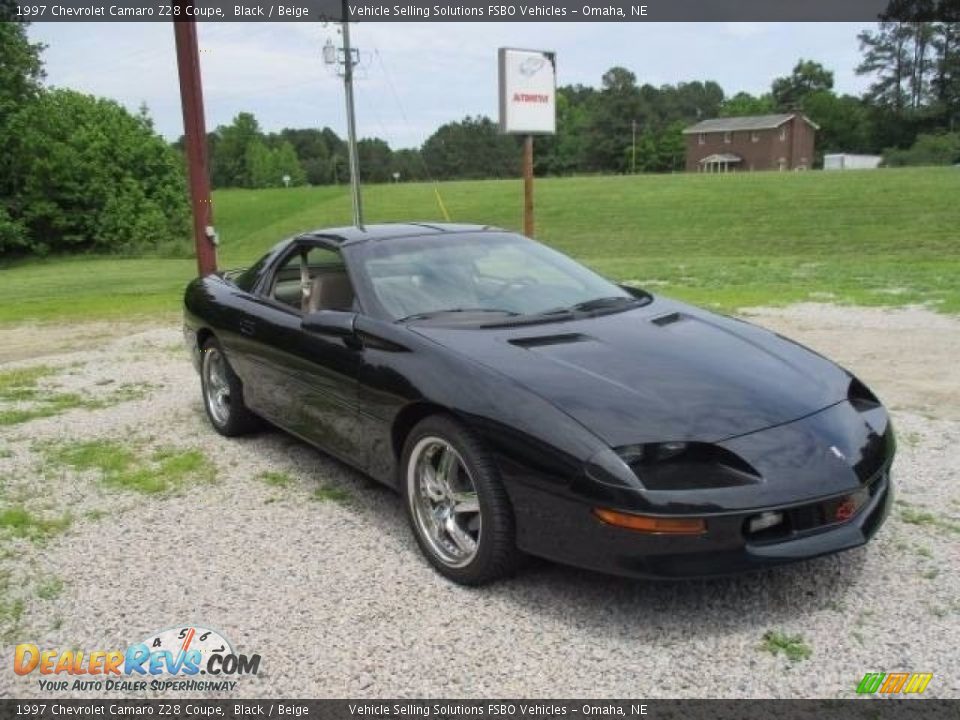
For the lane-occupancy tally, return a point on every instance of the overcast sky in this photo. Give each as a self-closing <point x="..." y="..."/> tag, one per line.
<point x="416" y="76"/>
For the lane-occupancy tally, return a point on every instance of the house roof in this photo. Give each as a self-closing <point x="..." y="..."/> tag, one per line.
<point x="749" y="122"/>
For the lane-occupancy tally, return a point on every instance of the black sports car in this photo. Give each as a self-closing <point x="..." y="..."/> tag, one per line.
<point x="521" y="403"/>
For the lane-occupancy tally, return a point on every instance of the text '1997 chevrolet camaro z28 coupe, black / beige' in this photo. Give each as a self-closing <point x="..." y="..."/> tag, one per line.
<point x="521" y="403"/>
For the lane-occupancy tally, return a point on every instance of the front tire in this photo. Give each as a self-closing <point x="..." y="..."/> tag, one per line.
<point x="223" y="393"/>
<point x="458" y="509"/>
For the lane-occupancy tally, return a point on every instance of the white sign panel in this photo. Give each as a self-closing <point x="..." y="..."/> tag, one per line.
<point x="528" y="91"/>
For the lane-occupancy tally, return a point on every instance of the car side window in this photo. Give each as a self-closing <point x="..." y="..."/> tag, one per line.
<point x="316" y="281"/>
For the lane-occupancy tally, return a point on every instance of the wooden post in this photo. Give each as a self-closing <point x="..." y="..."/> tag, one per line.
<point x="528" y="186"/>
<point x="194" y="128"/>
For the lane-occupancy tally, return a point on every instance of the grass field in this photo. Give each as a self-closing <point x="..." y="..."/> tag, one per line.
<point x="889" y="237"/>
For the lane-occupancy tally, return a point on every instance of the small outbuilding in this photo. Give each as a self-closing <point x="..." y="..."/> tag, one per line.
<point x="758" y="142"/>
<point x="847" y="161"/>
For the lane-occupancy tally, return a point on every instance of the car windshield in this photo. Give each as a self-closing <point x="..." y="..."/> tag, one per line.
<point x="499" y="274"/>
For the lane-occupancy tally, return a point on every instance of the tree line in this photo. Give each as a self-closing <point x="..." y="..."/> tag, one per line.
<point x="80" y="173"/>
<point x="909" y="114"/>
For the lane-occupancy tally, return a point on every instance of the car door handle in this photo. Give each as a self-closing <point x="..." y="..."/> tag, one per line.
<point x="247" y="327"/>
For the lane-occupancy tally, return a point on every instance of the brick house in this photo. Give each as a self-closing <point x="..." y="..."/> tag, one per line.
<point x="759" y="142"/>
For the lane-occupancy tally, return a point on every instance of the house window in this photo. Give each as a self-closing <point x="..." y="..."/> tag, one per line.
<point x="727" y="137"/>
<point x="783" y="133"/>
<point x="754" y="137"/>
<point x="702" y="139"/>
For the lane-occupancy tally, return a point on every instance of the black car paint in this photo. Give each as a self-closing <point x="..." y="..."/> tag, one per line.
<point x="553" y="399"/>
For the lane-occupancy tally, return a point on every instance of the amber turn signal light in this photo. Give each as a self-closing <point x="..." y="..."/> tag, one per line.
<point x="647" y="524"/>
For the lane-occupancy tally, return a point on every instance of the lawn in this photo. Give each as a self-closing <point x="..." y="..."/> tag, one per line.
<point x="888" y="237"/>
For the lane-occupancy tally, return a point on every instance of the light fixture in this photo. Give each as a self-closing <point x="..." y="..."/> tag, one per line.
<point x="650" y="524"/>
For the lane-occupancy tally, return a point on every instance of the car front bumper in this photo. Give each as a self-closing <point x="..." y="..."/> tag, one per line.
<point x="566" y="530"/>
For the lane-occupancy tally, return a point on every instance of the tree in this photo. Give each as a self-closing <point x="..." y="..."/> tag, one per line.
<point x="229" y="165"/>
<point x="471" y="148"/>
<point x="267" y="167"/>
<point x="21" y="69"/>
<point x="312" y="152"/>
<point x="613" y="112"/>
<point x="945" y="85"/>
<point x="104" y="181"/>
<point x="21" y="73"/>
<point x="845" y="123"/>
<point x="743" y="103"/>
<point x="807" y="77"/>
<point x="409" y="163"/>
<point x="886" y="56"/>
<point x="374" y="156"/>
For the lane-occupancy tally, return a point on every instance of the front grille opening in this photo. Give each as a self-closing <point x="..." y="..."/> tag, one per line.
<point x="813" y="517"/>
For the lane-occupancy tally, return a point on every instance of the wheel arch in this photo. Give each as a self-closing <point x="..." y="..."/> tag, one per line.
<point x="407" y="419"/>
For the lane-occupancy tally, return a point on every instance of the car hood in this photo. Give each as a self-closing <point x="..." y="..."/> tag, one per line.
<point x="666" y="371"/>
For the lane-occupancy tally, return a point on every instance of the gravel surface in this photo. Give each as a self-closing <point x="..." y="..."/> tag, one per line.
<point x="329" y="588"/>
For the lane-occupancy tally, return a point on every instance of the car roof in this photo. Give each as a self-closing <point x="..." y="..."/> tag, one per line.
<point x="352" y="234"/>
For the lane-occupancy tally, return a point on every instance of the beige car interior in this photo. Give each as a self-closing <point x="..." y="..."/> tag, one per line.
<point x="316" y="280"/>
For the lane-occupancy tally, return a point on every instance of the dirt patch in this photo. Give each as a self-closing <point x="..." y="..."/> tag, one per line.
<point x="21" y="342"/>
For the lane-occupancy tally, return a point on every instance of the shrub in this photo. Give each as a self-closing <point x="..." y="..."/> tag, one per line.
<point x="89" y="176"/>
<point x="930" y="149"/>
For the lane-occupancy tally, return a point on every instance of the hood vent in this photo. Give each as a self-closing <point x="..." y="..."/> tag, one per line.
<point x="543" y="340"/>
<point x="668" y="319"/>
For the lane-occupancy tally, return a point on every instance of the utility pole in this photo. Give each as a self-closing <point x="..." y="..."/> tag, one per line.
<point x="194" y="129"/>
<point x="345" y="58"/>
<point x="633" y="150"/>
<point x="351" y="123"/>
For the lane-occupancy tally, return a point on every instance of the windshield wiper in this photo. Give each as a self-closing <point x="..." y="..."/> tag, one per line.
<point x="600" y="303"/>
<point x="434" y="313"/>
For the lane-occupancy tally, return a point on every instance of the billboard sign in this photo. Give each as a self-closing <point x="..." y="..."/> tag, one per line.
<point x="528" y="91"/>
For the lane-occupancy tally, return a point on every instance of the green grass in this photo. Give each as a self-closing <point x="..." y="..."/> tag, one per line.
<point x="18" y="522"/>
<point x="25" y="400"/>
<point x="121" y="467"/>
<point x="50" y="589"/>
<point x="21" y="384"/>
<point x="330" y="494"/>
<point x="793" y="646"/>
<point x="887" y="237"/>
<point x="275" y="479"/>
<point x="916" y="516"/>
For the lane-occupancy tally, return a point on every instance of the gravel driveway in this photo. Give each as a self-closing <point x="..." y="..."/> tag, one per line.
<point x="296" y="557"/>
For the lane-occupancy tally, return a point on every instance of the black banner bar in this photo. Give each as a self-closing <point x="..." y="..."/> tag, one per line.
<point x="862" y="709"/>
<point x="482" y="10"/>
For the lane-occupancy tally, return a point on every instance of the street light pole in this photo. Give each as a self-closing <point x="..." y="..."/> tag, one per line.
<point x="351" y="123"/>
<point x="633" y="151"/>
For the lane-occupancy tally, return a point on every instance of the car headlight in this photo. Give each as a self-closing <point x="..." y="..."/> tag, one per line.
<point x="687" y="466"/>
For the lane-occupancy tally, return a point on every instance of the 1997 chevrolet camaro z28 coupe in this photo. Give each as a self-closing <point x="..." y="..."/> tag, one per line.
<point x="521" y="403"/>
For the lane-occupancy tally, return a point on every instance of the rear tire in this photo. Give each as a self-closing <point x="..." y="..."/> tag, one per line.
<point x="456" y="503"/>
<point x="223" y="393"/>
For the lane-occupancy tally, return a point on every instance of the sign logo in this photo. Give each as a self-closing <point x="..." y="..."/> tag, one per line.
<point x="532" y="65"/>
<point x="894" y="683"/>
<point x="170" y="659"/>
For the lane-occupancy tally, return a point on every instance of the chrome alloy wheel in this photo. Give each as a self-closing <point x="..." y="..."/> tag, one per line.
<point x="443" y="500"/>
<point x="216" y="386"/>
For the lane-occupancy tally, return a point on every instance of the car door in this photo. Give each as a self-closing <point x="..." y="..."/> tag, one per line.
<point x="305" y="382"/>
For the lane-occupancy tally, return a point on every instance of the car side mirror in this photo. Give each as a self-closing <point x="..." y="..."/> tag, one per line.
<point x="330" y="322"/>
